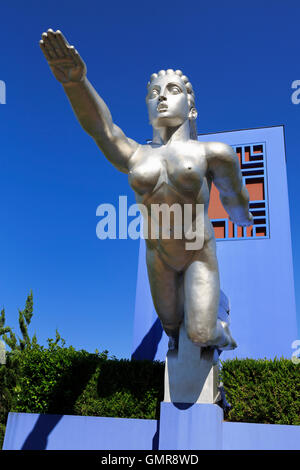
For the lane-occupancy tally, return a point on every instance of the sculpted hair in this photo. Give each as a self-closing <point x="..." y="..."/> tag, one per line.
<point x="189" y="90"/>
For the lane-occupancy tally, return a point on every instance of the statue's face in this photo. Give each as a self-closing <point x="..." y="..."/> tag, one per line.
<point x="167" y="102"/>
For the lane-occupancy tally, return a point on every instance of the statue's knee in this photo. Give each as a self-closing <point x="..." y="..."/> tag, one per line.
<point x="200" y="336"/>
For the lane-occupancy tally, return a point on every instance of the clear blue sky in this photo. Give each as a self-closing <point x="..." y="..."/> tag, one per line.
<point x="241" y="58"/>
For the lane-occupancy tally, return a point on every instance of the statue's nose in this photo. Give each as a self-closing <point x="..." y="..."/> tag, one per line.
<point x="161" y="98"/>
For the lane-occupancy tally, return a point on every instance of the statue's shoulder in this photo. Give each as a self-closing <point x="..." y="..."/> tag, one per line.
<point x="205" y="149"/>
<point x="218" y="150"/>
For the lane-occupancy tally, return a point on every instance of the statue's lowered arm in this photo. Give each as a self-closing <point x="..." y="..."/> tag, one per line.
<point x="223" y="164"/>
<point x="91" y="111"/>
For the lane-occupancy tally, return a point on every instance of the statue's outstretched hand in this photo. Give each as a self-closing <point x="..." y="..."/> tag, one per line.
<point x="65" y="62"/>
<point x="245" y="223"/>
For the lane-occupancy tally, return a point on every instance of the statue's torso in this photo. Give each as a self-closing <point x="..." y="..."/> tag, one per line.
<point x="172" y="174"/>
<point x="182" y="165"/>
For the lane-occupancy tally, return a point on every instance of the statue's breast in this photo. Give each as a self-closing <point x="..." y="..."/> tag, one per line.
<point x="145" y="172"/>
<point x="186" y="172"/>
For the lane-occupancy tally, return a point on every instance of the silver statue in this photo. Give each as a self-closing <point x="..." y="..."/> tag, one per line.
<point x="174" y="167"/>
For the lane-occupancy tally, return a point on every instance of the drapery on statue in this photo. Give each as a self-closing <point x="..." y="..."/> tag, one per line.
<point x="174" y="168"/>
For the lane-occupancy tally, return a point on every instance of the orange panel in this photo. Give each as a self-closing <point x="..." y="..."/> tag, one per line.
<point x="247" y="154"/>
<point x="215" y="209"/>
<point x="240" y="232"/>
<point x="249" y="231"/>
<point x="256" y="190"/>
<point x="219" y="232"/>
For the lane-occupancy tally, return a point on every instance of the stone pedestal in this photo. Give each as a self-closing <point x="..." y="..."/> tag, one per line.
<point x="191" y="373"/>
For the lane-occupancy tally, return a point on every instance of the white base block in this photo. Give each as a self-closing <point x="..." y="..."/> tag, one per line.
<point x="191" y="373"/>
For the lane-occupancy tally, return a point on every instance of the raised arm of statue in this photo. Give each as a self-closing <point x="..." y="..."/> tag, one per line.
<point x="93" y="114"/>
<point x="223" y="164"/>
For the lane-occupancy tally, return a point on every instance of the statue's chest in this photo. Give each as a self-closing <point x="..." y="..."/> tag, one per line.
<point x="179" y="169"/>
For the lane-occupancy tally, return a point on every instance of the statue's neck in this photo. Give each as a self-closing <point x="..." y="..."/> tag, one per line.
<point x="165" y="135"/>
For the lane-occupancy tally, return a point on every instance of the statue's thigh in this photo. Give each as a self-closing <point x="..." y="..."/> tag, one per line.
<point x="165" y="285"/>
<point x="201" y="292"/>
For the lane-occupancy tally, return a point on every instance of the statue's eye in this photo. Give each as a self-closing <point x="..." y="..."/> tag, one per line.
<point x="153" y="93"/>
<point x="175" y="89"/>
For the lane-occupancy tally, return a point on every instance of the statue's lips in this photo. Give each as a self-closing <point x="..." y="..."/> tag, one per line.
<point x="162" y="107"/>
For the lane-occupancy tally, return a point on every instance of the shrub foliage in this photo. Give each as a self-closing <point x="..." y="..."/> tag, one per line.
<point x="262" y="391"/>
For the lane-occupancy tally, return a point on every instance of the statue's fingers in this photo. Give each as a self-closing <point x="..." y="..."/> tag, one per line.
<point x="76" y="57"/>
<point x="44" y="50"/>
<point x="64" y="39"/>
<point x="54" y="43"/>
<point x="48" y="46"/>
<point x="63" y="43"/>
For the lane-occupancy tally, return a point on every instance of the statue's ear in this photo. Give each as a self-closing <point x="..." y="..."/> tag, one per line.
<point x="193" y="113"/>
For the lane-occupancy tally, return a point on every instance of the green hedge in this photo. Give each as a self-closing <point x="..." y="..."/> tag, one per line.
<point x="262" y="391"/>
<point x="61" y="380"/>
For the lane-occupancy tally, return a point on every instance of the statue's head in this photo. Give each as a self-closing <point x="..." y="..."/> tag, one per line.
<point x="171" y="100"/>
